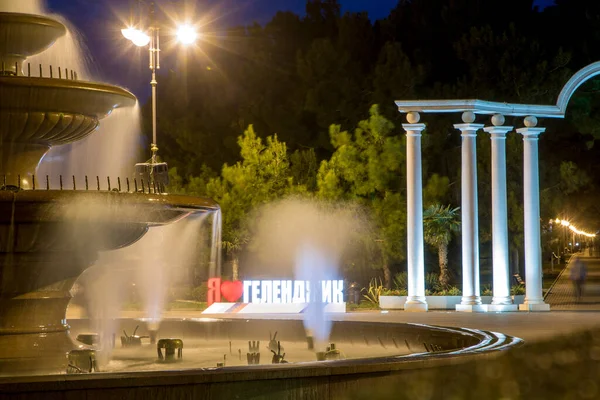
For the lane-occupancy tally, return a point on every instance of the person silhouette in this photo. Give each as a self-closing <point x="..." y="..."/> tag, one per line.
<point x="578" y="275"/>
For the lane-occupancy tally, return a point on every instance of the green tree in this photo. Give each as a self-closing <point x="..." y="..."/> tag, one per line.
<point x="366" y="167"/>
<point x="439" y="224"/>
<point x="262" y="176"/>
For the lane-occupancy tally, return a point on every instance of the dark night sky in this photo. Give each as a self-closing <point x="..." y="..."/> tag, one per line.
<point x="99" y="22"/>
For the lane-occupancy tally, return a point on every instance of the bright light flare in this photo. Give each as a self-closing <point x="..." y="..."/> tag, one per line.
<point x="186" y="34"/>
<point x="574" y="229"/>
<point x="138" y="37"/>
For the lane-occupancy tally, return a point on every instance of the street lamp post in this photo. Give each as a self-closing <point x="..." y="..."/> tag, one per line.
<point x="154" y="51"/>
<point x="186" y="35"/>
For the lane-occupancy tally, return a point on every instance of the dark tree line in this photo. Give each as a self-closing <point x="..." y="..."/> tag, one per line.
<point x="297" y="75"/>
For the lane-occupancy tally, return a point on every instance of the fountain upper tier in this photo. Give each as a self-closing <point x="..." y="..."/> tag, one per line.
<point x="50" y="112"/>
<point x="24" y="35"/>
<point x="37" y="113"/>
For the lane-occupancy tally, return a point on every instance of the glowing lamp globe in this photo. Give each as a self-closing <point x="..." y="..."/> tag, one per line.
<point x="138" y="37"/>
<point x="186" y="34"/>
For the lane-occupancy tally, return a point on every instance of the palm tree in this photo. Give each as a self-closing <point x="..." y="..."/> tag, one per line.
<point x="440" y="223"/>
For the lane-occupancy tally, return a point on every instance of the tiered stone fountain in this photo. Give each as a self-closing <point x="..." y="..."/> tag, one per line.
<point x="48" y="237"/>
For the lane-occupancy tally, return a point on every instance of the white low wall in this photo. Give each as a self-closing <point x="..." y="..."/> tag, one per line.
<point x="435" y="302"/>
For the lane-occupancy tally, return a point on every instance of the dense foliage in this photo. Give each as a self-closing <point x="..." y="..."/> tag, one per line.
<point x="296" y="96"/>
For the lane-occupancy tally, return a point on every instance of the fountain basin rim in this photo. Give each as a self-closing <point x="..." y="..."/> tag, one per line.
<point x="177" y="201"/>
<point x="66" y="84"/>
<point x="58" y="206"/>
<point x="10" y="17"/>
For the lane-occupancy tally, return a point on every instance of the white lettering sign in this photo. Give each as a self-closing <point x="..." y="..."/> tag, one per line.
<point x="285" y="291"/>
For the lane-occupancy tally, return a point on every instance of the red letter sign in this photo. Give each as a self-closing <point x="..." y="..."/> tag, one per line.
<point x="214" y="291"/>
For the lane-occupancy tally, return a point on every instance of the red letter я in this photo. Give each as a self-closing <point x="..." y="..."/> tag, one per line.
<point x="214" y="291"/>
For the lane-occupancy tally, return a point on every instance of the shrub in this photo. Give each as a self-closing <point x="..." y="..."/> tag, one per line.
<point x="180" y="292"/>
<point x="401" y="281"/>
<point x="373" y="291"/>
<point x="517" y="290"/>
<point x="432" y="282"/>
<point x="394" y="292"/>
<point x="199" y="293"/>
<point x="486" y="290"/>
<point x="453" y="291"/>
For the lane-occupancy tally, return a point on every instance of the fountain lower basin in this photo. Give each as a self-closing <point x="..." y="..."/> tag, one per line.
<point x="376" y="352"/>
<point x="47" y="239"/>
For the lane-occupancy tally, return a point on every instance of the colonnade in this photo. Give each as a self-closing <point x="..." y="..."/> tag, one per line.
<point x="471" y="298"/>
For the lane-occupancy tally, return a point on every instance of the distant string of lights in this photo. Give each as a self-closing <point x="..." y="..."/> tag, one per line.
<point x="573" y="228"/>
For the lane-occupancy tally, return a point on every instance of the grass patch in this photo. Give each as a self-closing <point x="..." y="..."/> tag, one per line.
<point x="187" y="305"/>
<point x="174" y="305"/>
<point x="364" y="305"/>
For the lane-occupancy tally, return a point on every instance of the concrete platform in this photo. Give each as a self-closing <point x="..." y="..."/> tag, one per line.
<point x="471" y="308"/>
<point x="501" y="307"/>
<point x="543" y="307"/>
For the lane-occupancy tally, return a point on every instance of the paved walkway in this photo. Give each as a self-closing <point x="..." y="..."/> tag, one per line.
<point x="562" y="296"/>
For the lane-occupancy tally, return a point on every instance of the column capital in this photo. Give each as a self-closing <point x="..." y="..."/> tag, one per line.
<point x="531" y="132"/>
<point x="468" y="129"/>
<point x="413" y="129"/>
<point x="498" y="132"/>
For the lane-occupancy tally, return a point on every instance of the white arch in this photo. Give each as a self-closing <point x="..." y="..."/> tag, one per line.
<point x="514" y="109"/>
<point x="573" y="84"/>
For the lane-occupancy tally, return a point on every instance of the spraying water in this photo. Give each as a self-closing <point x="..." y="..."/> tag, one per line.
<point x="146" y="269"/>
<point x="166" y="254"/>
<point x="313" y="238"/>
<point x="215" y="250"/>
<point x="110" y="151"/>
<point x="104" y="295"/>
<point x="23" y="6"/>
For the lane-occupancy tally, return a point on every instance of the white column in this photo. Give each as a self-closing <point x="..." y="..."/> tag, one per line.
<point x="502" y="301"/>
<point x="471" y="301"/>
<point x="534" y="298"/>
<point x="414" y="200"/>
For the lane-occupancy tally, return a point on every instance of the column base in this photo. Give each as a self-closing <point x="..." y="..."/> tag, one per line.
<point x="471" y="308"/>
<point x="415" y="307"/>
<point x="502" y="300"/>
<point x="501" y="307"/>
<point x="470" y="300"/>
<point x="540" y="307"/>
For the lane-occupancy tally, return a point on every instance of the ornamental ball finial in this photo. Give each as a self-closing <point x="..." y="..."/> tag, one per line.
<point x="530" y="121"/>
<point x="498" y="120"/>
<point x="468" y="117"/>
<point x="413" y="117"/>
